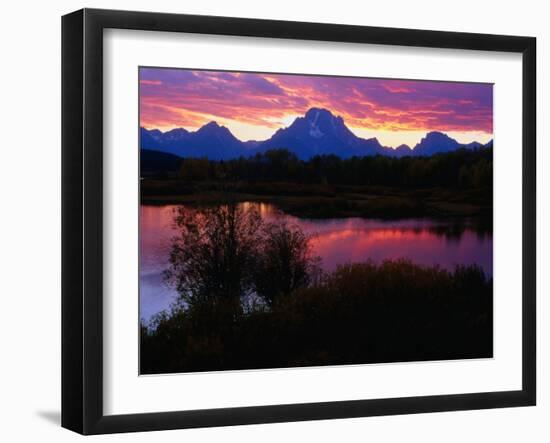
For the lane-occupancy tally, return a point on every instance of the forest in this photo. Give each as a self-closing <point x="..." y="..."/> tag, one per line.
<point x="454" y="184"/>
<point x="463" y="168"/>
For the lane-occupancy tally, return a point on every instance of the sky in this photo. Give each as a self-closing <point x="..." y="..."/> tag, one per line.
<point x="254" y="105"/>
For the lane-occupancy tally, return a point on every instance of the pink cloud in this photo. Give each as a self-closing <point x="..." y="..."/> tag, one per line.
<point x="177" y="97"/>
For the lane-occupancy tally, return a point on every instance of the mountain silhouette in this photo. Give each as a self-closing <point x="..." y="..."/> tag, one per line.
<point x="318" y="132"/>
<point x="212" y="141"/>
<point x="436" y="142"/>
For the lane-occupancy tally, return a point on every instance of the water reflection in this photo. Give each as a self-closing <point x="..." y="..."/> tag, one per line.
<point x="336" y="241"/>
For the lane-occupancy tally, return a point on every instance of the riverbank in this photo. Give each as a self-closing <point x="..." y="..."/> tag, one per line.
<point x="326" y="201"/>
<point x="358" y="314"/>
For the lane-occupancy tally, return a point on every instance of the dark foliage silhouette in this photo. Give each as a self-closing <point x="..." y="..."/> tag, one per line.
<point x="227" y="252"/>
<point x="214" y="253"/>
<point x="361" y="313"/>
<point x="463" y="168"/>
<point x="284" y="262"/>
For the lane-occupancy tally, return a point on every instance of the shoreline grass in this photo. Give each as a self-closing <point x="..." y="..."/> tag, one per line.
<point x="325" y="201"/>
<point x="361" y="313"/>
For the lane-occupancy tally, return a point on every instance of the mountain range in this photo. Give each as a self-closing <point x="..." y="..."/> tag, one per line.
<point x="318" y="132"/>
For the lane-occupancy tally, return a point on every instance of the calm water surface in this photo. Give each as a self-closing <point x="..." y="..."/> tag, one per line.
<point x="336" y="241"/>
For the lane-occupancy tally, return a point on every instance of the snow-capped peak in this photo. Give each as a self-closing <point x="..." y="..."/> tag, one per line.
<point x="314" y="130"/>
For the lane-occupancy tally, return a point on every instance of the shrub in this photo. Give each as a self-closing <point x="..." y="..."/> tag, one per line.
<point x="360" y="313"/>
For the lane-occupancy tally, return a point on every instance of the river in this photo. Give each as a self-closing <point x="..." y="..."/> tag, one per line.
<point x="336" y="241"/>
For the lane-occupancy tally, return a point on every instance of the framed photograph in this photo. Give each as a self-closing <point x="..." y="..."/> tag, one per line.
<point x="269" y="221"/>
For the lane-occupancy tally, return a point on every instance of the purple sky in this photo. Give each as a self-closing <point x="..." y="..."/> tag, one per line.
<point x="253" y="106"/>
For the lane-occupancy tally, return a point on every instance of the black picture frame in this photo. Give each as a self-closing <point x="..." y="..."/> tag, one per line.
<point x="82" y="218"/>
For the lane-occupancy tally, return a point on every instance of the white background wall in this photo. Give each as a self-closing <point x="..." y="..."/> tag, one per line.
<point x="30" y="219"/>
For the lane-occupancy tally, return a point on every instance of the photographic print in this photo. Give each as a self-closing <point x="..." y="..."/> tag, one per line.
<point x="294" y="220"/>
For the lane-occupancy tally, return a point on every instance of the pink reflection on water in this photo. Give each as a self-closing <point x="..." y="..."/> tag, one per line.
<point x="336" y="241"/>
<point x="423" y="247"/>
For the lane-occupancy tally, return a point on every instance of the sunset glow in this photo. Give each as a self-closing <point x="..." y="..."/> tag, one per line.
<point x="253" y="106"/>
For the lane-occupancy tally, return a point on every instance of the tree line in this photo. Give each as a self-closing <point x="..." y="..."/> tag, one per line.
<point x="463" y="168"/>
